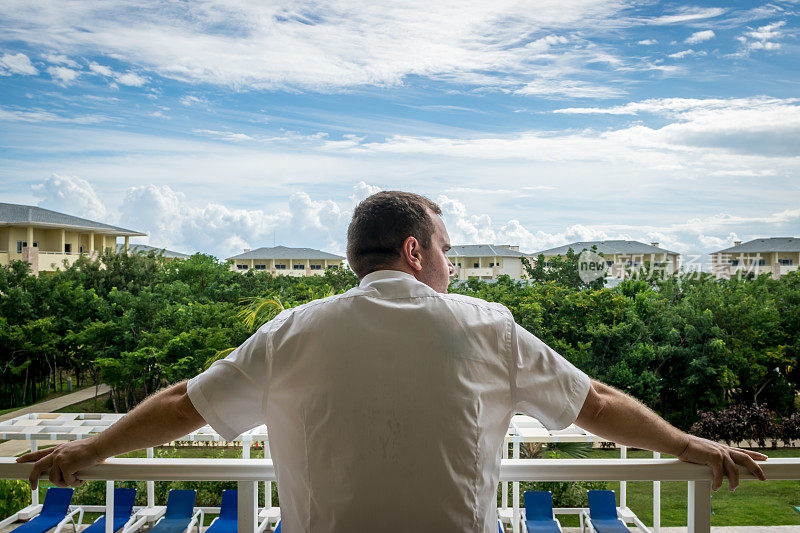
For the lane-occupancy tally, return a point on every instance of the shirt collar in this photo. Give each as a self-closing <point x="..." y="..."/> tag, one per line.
<point x="384" y="274"/>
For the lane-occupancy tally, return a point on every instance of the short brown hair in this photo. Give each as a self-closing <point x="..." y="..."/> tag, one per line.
<point x="382" y="223"/>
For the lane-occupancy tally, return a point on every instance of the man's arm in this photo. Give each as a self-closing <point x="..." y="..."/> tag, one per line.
<point x="163" y="417"/>
<point x="613" y="415"/>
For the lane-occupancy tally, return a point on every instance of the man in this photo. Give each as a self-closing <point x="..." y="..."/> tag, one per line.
<point x="387" y="405"/>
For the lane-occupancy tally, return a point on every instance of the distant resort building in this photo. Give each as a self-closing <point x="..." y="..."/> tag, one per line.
<point x="282" y="260"/>
<point x="486" y="261"/>
<point x="45" y="238"/>
<point x="145" y="249"/>
<point x="775" y="255"/>
<point x="620" y="256"/>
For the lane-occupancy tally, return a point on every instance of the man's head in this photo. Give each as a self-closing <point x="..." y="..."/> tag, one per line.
<point x="400" y="231"/>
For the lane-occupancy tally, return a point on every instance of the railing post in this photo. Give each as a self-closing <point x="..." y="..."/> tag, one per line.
<point x="515" y="493"/>
<point x="504" y="495"/>
<point x="623" y="485"/>
<point x="109" y="507"/>
<point x="247" y="492"/>
<point x="34" y="493"/>
<point x="151" y="485"/>
<point x="699" y="511"/>
<point x="656" y="501"/>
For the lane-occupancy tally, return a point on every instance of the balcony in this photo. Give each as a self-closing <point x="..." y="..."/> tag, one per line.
<point x="248" y="472"/>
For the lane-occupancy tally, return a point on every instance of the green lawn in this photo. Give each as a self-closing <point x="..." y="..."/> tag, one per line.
<point x="88" y="406"/>
<point x="753" y="503"/>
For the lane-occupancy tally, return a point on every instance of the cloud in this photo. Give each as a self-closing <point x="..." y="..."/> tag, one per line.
<point x="127" y="78"/>
<point x="71" y="195"/>
<point x="686" y="14"/>
<point x="569" y="88"/>
<point x="648" y="42"/>
<point x="334" y="45"/>
<point x="699" y="37"/>
<point x="60" y="59"/>
<point x="762" y="38"/>
<point x="687" y="53"/>
<point x="40" y="115"/>
<point x="226" y="135"/>
<point x="191" y="100"/>
<point x="63" y="75"/>
<point x="16" y="64"/>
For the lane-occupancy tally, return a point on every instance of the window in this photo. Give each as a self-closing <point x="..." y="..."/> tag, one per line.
<point x="20" y="246"/>
<point x="759" y="262"/>
<point x="491" y="265"/>
<point x="785" y="262"/>
<point x="476" y="265"/>
<point x="67" y="248"/>
<point x="333" y="267"/>
<point x="458" y="265"/>
<point x="316" y="267"/>
<point x="299" y="267"/>
<point x="260" y="267"/>
<point x="734" y="262"/>
<point x="241" y="267"/>
<point x="280" y="266"/>
<point x="610" y="263"/>
<point x="81" y="249"/>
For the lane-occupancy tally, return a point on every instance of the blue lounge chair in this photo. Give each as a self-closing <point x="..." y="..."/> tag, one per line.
<point x="278" y="527"/>
<point x="123" y="511"/>
<point x="227" y="520"/>
<point x="180" y="515"/>
<point x="539" y="516"/>
<point x="500" y="526"/>
<point x="55" y="513"/>
<point x="603" y="513"/>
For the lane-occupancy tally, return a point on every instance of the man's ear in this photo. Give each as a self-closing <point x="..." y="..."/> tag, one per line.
<point x="412" y="253"/>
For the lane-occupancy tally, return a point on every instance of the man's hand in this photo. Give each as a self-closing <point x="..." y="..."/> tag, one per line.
<point x="722" y="460"/>
<point x="63" y="462"/>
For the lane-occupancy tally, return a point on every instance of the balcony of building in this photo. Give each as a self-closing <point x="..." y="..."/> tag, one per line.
<point x="258" y="516"/>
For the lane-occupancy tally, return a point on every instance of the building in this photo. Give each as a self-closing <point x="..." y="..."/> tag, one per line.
<point x="621" y="256"/>
<point x="145" y="249"/>
<point x="286" y="261"/>
<point x="776" y="255"/>
<point x="45" y="238"/>
<point x="486" y="261"/>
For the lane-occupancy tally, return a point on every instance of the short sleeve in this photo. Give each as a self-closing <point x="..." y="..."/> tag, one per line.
<point x="230" y="394"/>
<point x="546" y="386"/>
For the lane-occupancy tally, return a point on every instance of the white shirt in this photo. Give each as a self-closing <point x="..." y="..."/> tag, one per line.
<point x="387" y="405"/>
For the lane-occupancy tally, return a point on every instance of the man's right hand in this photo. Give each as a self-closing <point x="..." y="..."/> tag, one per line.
<point x="63" y="462"/>
<point x="723" y="460"/>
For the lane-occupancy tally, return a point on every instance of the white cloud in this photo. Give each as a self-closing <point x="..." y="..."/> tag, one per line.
<point x="762" y="38"/>
<point x="103" y="70"/>
<point x="40" y="115"/>
<point x="334" y="45"/>
<point x="687" y="14"/>
<point x="60" y="59"/>
<point x="71" y="195"/>
<point x="119" y="78"/>
<point x="699" y="37"/>
<point x="226" y="135"/>
<point x="16" y="64"/>
<point x="569" y="88"/>
<point x="63" y="75"/>
<point x="648" y="42"/>
<point x="192" y="100"/>
<point x="687" y="53"/>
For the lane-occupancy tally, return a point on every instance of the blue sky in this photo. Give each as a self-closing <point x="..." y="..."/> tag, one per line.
<point x="215" y="126"/>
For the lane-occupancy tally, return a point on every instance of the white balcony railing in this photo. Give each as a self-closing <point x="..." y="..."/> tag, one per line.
<point x="248" y="472"/>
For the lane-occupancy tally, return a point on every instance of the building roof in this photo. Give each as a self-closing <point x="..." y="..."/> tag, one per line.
<point x="483" y="250"/>
<point x="284" y="252"/>
<point x="606" y="247"/>
<point x="15" y="214"/>
<point x="143" y="248"/>
<point x="770" y="244"/>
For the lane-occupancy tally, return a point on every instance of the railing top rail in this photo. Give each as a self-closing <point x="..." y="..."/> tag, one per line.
<point x="510" y="470"/>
